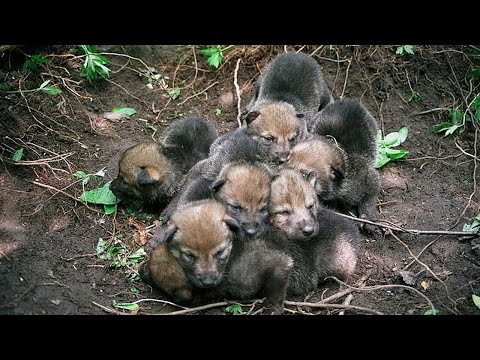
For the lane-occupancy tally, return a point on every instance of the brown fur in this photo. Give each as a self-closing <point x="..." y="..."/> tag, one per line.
<point x="192" y="249"/>
<point x="320" y="155"/>
<point x="150" y="173"/>
<point x="276" y="125"/>
<point x="293" y="204"/>
<point x="245" y="191"/>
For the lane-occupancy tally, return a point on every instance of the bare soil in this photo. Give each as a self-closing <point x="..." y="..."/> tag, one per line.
<point x="48" y="238"/>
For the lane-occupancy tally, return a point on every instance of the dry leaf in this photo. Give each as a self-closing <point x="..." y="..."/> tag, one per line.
<point x="56" y="302"/>
<point x="140" y="237"/>
<point x="115" y="116"/>
<point x="425" y="284"/>
<point x="408" y="277"/>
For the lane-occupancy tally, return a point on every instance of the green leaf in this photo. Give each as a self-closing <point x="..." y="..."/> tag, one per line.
<point x="234" y="309"/>
<point x="217" y="111"/>
<point x="5" y="86"/>
<point x="38" y="59"/>
<point x="441" y="127"/>
<point x="408" y="49"/>
<point x="28" y="66"/>
<point x="152" y="127"/>
<point x="101" y="250"/>
<point x="382" y="160"/>
<point x="109" y="209"/>
<point x="475" y="73"/>
<point x="395" y="154"/>
<point x="452" y="129"/>
<point x="51" y="90"/>
<point x="402" y="135"/>
<point x="210" y="51"/>
<point x="456" y="116"/>
<point x="80" y="174"/>
<point x="174" y="93"/>
<point x="431" y="312"/>
<point x="399" y="50"/>
<point x="17" y="155"/>
<point x="126" y="306"/>
<point x="102" y="195"/>
<point x="476" y="300"/>
<point x="476" y="102"/>
<point x="215" y="59"/>
<point x="391" y="139"/>
<point x="127" y="111"/>
<point x="44" y="84"/>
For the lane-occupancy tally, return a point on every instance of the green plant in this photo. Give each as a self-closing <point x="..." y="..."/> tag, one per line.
<point x="94" y="65"/>
<point x="50" y="90"/>
<point x="17" y="155"/>
<point x="431" y="312"/>
<point x="476" y="300"/>
<point x="174" y="93"/>
<point x="217" y="111"/>
<point x="472" y="225"/>
<point x="5" y="86"/>
<point x="119" y="256"/>
<point x="132" y="307"/>
<point x="32" y="62"/>
<point x="214" y="54"/>
<point x="404" y="49"/>
<point x="385" y="153"/>
<point x="101" y="195"/>
<point x="125" y="111"/>
<point x="415" y="96"/>
<point x="235" y="309"/>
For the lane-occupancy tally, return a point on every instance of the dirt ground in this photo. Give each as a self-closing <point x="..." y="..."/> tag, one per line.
<point x="48" y="238"/>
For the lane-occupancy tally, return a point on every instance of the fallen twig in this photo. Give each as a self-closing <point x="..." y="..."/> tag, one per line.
<point x="333" y="306"/>
<point x="109" y="310"/>
<point x="237" y="90"/>
<point x="195" y="309"/>
<point x="378" y="287"/>
<point x="196" y="94"/>
<point x="410" y="231"/>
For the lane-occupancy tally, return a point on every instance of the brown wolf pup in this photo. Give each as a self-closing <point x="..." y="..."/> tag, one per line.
<point x="199" y="255"/>
<point x="295" y="78"/>
<point x="331" y="249"/>
<point x="191" y="251"/>
<point x="277" y="126"/>
<point x="234" y="147"/>
<point x="151" y="173"/>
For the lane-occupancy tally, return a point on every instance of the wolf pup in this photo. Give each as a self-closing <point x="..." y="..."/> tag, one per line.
<point x="277" y="126"/>
<point x="348" y="178"/>
<point x="294" y="78"/>
<point x="327" y="248"/>
<point x="200" y="256"/>
<point x="151" y="173"/>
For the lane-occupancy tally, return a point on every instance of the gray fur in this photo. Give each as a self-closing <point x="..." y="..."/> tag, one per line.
<point x="295" y="78"/>
<point x="354" y="130"/>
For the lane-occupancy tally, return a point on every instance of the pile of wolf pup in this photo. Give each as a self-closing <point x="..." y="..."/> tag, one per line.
<point x="249" y="214"/>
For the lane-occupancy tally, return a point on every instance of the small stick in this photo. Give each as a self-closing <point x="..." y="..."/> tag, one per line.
<point x="428" y="111"/>
<point x="341" y="294"/>
<point x="410" y="231"/>
<point x="419" y="254"/>
<point x="237" y="90"/>
<point x="201" y="92"/>
<point x="333" y="306"/>
<point x="108" y="310"/>
<point x="346" y="78"/>
<point x="377" y="287"/>
<point x="194" y="309"/>
<point x="360" y="284"/>
<point x="78" y="257"/>
<point x="64" y="193"/>
<point x="159" y="301"/>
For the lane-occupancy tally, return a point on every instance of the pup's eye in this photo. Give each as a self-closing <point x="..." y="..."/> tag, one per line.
<point x="268" y="139"/>
<point x="234" y="207"/>
<point x="188" y="256"/>
<point x="292" y="139"/>
<point x="310" y="206"/>
<point x="264" y="209"/>
<point x="222" y="254"/>
<point x="283" y="212"/>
